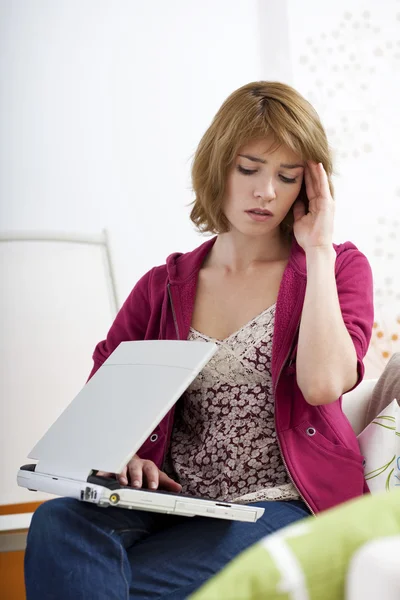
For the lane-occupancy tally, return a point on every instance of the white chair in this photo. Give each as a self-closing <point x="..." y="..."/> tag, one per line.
<point x="58" y="299"/>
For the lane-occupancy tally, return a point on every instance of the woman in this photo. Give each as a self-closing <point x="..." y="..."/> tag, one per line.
<point x="292" y="315"/>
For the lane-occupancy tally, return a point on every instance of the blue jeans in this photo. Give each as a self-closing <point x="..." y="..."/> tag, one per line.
<point x="78" y="551"/>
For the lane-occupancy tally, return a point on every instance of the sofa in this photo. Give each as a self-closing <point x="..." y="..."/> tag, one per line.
<point x="372" y="568"/>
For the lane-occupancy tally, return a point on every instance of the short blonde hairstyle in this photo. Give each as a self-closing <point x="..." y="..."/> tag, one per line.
<point x="254" y="111"/>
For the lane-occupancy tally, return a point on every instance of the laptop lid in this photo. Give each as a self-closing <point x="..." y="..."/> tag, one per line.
<point x="119" y="407"/>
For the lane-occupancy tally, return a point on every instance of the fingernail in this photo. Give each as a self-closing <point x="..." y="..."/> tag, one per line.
<point x="153" y="485"/>
<point x="136" y="483"/>
<point x="123" y="480"/>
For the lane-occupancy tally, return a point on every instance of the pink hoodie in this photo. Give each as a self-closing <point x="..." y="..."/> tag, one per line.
<point x="318" y="445"/>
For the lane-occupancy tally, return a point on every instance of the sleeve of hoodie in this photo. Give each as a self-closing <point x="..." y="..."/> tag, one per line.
<point x="355" y="290"/>
<point x="129" y="324"/>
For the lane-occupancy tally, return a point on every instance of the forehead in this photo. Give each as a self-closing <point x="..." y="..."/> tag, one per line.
<point x="270" y="148"/>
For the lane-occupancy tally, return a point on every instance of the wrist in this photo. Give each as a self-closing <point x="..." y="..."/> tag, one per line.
<point x="327" y="251"/>
<point x="320" y="254"/>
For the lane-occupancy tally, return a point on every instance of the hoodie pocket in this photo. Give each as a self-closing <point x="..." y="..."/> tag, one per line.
<point x="317" y="439"/>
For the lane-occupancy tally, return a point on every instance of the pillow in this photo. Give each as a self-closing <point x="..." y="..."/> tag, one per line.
<point x="309" y="559"/>
<point x="380" y="445"/>
<point x="387" y="387"/>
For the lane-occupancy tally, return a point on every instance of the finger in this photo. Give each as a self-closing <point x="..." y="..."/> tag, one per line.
<point x="122" y="477"/>
<point x="135" y="468"/>
<point x="316" y="177"/>
<point x="166" y="483"/>
<point x="150" y="472"/>
<point x="299" y="210"/>
<point x="324" y="181"/>
<point x="104" y="474"/>
<point x="310" y="189"/>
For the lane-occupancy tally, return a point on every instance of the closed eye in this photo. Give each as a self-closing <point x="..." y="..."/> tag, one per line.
<point x="246" y="171"/>
<point x="252" y="171"/>
<point x="287" y="179"/>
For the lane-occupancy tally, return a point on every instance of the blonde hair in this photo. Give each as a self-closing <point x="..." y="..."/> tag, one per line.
<point x="254" y="111"/>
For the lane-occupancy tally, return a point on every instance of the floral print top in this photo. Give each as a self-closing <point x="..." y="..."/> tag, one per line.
<point x="224" y="445"/>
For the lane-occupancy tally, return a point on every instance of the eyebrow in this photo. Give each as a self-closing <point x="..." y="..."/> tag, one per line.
<point x="264" y="162"/>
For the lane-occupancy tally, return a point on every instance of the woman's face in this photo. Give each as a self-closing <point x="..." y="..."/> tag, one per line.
<point x="261" y="187"/>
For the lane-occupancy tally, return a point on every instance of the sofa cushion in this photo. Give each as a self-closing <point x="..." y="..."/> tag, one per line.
<point x="380" y="446"/>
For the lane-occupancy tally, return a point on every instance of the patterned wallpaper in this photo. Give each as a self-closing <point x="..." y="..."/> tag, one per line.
<point x="346" y="61"/>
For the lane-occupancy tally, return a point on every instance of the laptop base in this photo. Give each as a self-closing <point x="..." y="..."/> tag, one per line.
<point x="106" y="491"/>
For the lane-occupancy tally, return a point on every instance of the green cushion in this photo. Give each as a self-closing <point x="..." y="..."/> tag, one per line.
<point x="310" y="557"/>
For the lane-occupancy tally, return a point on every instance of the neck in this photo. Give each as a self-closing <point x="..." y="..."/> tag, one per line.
<point x="236" y="252"/>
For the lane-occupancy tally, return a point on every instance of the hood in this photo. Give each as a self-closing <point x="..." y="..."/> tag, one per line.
<point x="181" y="267"/>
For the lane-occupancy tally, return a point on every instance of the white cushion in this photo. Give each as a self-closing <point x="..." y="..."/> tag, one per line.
<point x="374" y="571"/>
<point x="355" y="403"/>
<point x="380" y="446"/>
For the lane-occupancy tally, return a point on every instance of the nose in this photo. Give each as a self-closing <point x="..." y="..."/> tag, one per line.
<point x="265" y="190"/>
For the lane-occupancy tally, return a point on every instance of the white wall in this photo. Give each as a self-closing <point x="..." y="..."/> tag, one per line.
<point x="102" y="105"/>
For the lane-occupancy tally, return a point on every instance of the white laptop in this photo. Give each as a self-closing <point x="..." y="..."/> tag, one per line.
<point x="110" y="419"/>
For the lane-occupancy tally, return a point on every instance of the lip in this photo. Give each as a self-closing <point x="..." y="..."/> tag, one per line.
<point x="260" y="215"/>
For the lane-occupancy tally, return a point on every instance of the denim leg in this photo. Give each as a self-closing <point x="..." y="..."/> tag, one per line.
<point x="76" y="550"/>
<point x="79" y="551"/>
<point x="173" y="563"/>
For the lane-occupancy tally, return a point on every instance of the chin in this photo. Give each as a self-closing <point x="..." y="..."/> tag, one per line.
<point x="253" y="230"/>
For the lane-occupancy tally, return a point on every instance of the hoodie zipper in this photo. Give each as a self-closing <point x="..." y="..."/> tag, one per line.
<point x="177" y="335"/>
<point x="277" y="436"/>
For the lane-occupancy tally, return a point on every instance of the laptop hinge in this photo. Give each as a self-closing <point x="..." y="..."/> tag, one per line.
<point x="68" y="472"/>
<point x="109" y="482"/>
